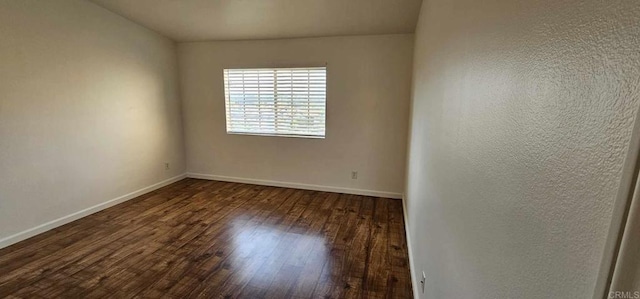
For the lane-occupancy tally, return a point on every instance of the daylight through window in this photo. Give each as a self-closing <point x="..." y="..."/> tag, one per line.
<point x="276" y="101"/>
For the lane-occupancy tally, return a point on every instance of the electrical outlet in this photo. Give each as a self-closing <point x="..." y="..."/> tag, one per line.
<point x="166" y="166"/>
<point x="423" y="281"/>
<point x="354" y="175"/>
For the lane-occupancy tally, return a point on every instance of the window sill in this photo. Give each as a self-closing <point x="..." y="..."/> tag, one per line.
<point x="278" y="135"/>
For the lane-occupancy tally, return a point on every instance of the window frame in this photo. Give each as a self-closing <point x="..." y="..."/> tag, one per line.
<point x="269" y="134"/>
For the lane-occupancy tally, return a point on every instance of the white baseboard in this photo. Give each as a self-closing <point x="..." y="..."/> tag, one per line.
<point x="23" y="235"/>
<point x="412" y="267"/>
<point x="384" y="194"/>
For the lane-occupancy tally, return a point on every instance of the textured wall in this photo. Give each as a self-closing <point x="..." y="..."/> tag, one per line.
<point x="521" y="119"/>
<point x="368" y="92"/>
<point x="89" y="110"/>
<point x="626" y="277"/>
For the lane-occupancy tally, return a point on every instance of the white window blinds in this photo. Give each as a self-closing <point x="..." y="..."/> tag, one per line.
<point x="276" y="101"/>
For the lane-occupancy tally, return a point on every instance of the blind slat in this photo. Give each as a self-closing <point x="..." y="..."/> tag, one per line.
<point x="276" y="101"/>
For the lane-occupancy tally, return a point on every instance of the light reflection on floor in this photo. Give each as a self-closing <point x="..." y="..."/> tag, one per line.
<point x="273" y="257"/>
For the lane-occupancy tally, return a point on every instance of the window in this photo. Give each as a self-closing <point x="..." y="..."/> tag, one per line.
<point x="276" y="101"/>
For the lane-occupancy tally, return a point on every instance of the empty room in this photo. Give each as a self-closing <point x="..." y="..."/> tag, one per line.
<point x="320" y="149"/>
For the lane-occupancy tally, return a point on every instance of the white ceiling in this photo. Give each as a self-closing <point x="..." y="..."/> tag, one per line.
<point x="196" y="20"/>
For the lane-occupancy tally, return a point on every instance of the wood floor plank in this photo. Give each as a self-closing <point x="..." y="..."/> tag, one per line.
<point x="44" y="244"/>
<point x="377" y="265"/>
<point x="210" y="239"/>
<point x="241" y="267"/>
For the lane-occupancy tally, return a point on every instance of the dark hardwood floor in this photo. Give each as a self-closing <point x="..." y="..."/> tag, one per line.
<point x="209" y="239"/>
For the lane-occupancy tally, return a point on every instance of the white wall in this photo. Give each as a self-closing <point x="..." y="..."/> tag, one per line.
<point x="626" y="276"/>
<point x="521" y="120"/>
<point x="89" y="110"/>
<point x="368" y="91"/>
